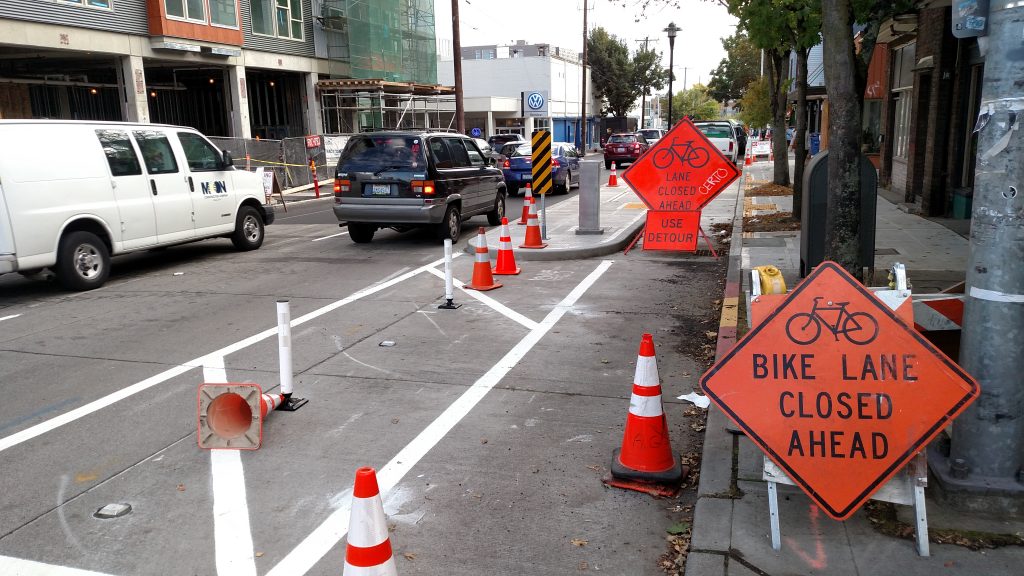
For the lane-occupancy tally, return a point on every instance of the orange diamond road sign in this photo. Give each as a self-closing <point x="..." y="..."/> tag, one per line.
<point x="671" y="231"/>
<point x="837" y="390"/>
<point x="683" y="171"/>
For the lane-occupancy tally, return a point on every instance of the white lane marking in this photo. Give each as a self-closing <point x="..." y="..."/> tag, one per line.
<point x="333" y="529"/>
<point x="95" y="405"/>
<point x="497" y="306"/>
<point x="347" y="355"/>
<point x="9" y="317"/>
<point x="231" y="530"/>
<point x="331" y="236"/>
<point x="19" y="567"/>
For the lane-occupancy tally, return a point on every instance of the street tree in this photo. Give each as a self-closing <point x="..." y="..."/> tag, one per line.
<point x="647" y="73"/>
<point x="755" y="108"/>
<point x="695" y="103"/>
<point x="620" y="79"/>
<point x="737" y="70"/>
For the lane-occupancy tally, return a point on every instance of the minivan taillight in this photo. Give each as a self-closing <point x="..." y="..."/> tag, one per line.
<point x="424" y="187"/>
<point x="342" y="185"/>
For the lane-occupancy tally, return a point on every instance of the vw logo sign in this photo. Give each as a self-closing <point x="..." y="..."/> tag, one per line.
<point x="535" y="100"/>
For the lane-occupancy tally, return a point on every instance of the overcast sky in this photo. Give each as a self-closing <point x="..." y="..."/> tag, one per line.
<point x="698" y="47"/>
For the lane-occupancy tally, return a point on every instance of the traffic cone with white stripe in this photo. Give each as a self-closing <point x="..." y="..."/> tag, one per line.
<point x="368" y="552"/>
<point x="482" y="278"/>
<point x="646" y="462"/>
<point x="533" y="239"/>
<point x="749" y="161"/>
<point x="613" y="179"/>
<point x="506" y="257"/>
<point x="226" y="417"/>
<point x="527" y="200"/>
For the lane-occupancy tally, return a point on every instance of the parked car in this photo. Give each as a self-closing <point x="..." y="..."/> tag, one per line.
<point x="484" y="147"/>
<point x="406" y="179"/>
<point x="722" y="135"/>
<point x="498" y="140"/>
<point x="624" y="147"/>
<point x="652" y="135"/>
<point x="565" y="167"/>
<point x="117" y="188"/>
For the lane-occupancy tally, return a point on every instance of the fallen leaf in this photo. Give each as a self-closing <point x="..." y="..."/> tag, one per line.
<point x="595" y="468"/>
<point x="578" y="542"/>
<point x="181" y="487"/>
<point x="483" y="440"/>
<point x="259" y="554"/>
<point x="394" y="420"/>
<point x="710" y="334"/>
<point x="603" y="361"/>
<point x="409" y="556"/>
<point x="679" y="528"/>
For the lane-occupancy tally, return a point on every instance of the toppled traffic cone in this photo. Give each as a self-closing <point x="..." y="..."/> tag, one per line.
<point x="613" y="180"/>
<point x="482" y="278"/>
<point x="368" y="551"/>
<point x="527" y="200"/>
<point x="506" y="264"/>
<point x="227" y="415"/>
<point x="533" y="239"/>
<point x="645" y="462"/>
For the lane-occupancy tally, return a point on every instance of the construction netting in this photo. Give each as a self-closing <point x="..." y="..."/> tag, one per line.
<point x="388" y="39"/>
<point x="289" y="159"/>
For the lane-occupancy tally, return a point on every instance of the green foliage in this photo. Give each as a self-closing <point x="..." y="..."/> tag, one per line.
<point x="618" y="78"/>
<point x="755" y="108"/>
<point x="696" y="103"/>
<point x="737" y="70"/>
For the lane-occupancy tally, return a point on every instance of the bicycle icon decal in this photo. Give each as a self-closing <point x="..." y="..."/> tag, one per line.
<point x="687" y="153"/>
<point x="858" y="328"/>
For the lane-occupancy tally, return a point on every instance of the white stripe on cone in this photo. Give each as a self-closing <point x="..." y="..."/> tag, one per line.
<point x="646" y="371"/>
<point x="648" y="406"/>
<point x="370" y="527"/>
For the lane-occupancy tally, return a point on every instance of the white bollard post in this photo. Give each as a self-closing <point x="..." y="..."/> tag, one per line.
<point x="449" y="287"/>
<point x="284" y="346"/>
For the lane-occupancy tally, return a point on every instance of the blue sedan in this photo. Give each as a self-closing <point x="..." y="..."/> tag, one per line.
<point x="565" y="167"/>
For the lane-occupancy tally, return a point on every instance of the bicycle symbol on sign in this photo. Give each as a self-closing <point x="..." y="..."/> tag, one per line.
<point x="857" y="327"/>
<point x="685" y="151"/>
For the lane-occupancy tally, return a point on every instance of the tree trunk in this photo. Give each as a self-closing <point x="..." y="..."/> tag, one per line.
<point x="842" y="221"/>
<point x="801" y="130"/>
<point x="777" y="73"/>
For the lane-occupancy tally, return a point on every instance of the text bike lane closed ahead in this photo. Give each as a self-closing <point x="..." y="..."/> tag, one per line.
<point x="837" y="391"/>
<point x="683" y="171"/>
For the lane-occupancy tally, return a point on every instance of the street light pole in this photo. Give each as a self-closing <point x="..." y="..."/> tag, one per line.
<point x="671" y="30"/>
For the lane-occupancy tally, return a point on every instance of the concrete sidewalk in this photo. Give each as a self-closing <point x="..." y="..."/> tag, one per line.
<point x="731" y="534"/>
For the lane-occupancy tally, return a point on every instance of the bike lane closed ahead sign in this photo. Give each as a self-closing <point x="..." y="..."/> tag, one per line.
<point x="837" y="391"/>
<point x="683" y="171"/>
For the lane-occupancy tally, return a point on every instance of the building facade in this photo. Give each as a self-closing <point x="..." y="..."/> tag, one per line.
<point x="242" y="68"/>
<point x="495" y="77"/>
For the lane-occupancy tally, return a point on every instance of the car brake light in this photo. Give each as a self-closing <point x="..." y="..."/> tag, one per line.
<point x="636" y="145"/>
<point x="342" y="186"/>
<point x="506" y="164"/>
<point x="554" y="163"/>
<point x="730" y="145"/>
<point x="424" y="187"/>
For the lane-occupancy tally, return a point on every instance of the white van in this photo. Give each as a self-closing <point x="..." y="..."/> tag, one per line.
<point x="74" y="193"/>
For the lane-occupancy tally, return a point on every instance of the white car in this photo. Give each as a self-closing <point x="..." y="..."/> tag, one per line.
<point x="722" y="135"/>
<point x="72" y="194"/>
<point x="652" y="134"/>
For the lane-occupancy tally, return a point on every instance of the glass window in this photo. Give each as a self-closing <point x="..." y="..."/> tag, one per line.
<point x="522" y="150"/>
<point x="282" y="18"/>
<point x="622" y="139"/>
<point x="156" y="151"/>
<point x="381" y="153"/>
<point x="460" y="158"/>
<point x="187" y="9"/>
<point x="175" y="8"/>
<point x="222" y="13"/>
<point x="438" y="149"/>
<point x="475" y="157"/>
<point x="901" y="128"/>
<point x="120" y="154"/>
<point x="200" y="154"/>
<point x="196" y="9"/>
<point x="93" y="3"/>
<point x="262" y="17"/>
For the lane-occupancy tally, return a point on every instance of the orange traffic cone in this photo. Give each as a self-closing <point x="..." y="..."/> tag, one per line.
<point x="527" y="200"/>
<point x="506" y="257"/>
<point x="646" y="462"/>
<point x="226" y="415"/>
<point x="748" y="161"/>
<point x="613" y="180"/>
<point x="482" y="279"/>
<point x="771" y="153"/>
<point x="533" y="239"/>
<point x="368" y="551"/>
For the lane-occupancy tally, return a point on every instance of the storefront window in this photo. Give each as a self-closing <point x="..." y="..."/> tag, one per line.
<point x="872" y="127"/>
<point x="902" y="87"/>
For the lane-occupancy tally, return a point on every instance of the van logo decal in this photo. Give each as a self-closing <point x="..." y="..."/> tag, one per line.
<point x="220" y="188"/>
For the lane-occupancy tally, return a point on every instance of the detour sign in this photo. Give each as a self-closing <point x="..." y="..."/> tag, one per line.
<point x="837" y="391"/>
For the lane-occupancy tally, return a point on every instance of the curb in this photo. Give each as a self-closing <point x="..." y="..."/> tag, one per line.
<point x="551" y="254"/>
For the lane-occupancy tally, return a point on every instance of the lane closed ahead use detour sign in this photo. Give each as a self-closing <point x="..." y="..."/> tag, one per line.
<point x="837" y="391"/>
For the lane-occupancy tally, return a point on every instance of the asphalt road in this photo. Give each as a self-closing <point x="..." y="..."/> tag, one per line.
<point x="490" y="425"/>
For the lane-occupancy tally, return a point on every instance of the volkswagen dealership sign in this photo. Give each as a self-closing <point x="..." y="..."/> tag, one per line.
<point x="535" y="103"/>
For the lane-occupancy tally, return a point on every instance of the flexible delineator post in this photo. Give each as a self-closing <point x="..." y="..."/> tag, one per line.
<point x="284" y="347"/>
<point x="449" y="287"/>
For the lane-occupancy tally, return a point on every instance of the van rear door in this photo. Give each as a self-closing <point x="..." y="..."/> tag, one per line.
<point x="167" y="185"/>
<point x="131" y="190"/>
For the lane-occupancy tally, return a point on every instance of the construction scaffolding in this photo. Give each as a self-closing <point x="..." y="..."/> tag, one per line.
<point x="388" y="39"/>
<point x="355" y="105"/>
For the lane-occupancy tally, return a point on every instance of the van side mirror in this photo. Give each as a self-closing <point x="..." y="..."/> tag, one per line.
<point x="226" y="158"/>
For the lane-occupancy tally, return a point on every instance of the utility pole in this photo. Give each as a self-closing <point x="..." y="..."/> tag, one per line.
<point x="583" y="99"/>
<point x="986" y="457"/>
<point x="460" y="116"/>
<point x="643" y="95"/>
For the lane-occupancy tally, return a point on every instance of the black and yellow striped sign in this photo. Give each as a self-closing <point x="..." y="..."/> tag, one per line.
<point x="541" y="162"/>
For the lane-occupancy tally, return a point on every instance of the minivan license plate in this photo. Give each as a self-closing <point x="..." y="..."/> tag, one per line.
<point x="380" y="189"/>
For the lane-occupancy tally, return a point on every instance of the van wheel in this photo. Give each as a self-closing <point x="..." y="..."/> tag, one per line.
<point x="83" y="262"/>
<point x="494" y="216"/>
<point x="248" y="233"/>
<point x="361" y="233"/>
<point x="451" y="226"/>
